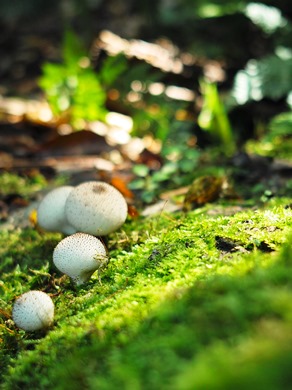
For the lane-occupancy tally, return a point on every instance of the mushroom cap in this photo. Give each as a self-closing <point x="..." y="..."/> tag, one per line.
<point x="33" y="310"/>
<point x="51" y="211"/>
<point x="79" y="256"/>
<point x="96" y="208"/>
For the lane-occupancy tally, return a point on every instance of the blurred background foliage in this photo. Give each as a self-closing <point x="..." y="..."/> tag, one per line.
<point x="235" y="58"/>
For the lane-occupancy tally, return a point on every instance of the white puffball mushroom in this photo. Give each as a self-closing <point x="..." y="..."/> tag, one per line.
<point x="51" y="214"/>
<point x="79" y="256"/>
<point x="96" y="208"/>
<point x="33" y="310"/>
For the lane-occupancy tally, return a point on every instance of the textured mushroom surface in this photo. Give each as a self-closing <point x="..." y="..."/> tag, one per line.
<point x="79" y="256"/>
<point x="51" y="211"/>
<point x="33" y="310"/>
<point x="96" y="208"/>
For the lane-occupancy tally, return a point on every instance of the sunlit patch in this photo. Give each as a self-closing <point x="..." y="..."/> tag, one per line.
<point x="63" y="102"/>
<point x="133" y="148"/>
<point x="137" y="86"/>
<point x="268" y="18"/>
<point x="115" y="157"/>
<point x="13" y="106"/>
<point x="98" y="127"/>
<point x="289" y="99"/>
<point x="119" y="120"/>
<point x="84" y="62"/>
<point x="248" y="83"/>
<point x="117" y="135"/>
<point x="119" y="128"/>
<point x="271" y="216"/>
<point x="134" y="97"/>
<point x="154" y="145"/>
<point x="179" y="93"/>
<point x="16" y="108"/>
<point x="64" y="129"/>
<point x="164" y="58"/>
<point x="156" y="89"/>
<point x="214" y="72"/>
<point x="173" y="92"/>
<point x="162" y="54"/>
<point x="45" y="114"/>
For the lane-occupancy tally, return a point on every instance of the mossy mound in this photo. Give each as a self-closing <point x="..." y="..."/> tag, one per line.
<point x="195" y="301"/>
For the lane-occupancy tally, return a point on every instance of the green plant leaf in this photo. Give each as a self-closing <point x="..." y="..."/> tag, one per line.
<point x="112" y="68"/>
<point x="141" y="170"/>
<point x="72" y="49"/>
<point x="213" y="117"/>
<point x="270" y="77"/>
<point x="72" y="88"/>
<point x="281" y="125"/>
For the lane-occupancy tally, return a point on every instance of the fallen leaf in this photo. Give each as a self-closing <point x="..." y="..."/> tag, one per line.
<point x="81" y="143"/>
<point x="120" y="185"/>
<point x="132" y="211"/>
<point x="33" y="217"/>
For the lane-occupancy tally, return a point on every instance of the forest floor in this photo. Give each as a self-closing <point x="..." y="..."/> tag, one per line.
<point x="190" y="300"/>
<point x="198" y="290"/>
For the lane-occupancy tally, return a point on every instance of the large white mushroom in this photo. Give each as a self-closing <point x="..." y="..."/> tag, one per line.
<point x="79" y="256"/>
<point x="51" y="214"/>
<point x="96" y="208"/>
<point x="33" y="310"/>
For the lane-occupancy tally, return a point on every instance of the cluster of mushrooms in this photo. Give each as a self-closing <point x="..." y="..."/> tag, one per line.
<point x="90" y="209"/>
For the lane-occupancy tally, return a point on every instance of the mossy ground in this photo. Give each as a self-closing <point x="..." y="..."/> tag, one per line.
<point x="201" y="300"/>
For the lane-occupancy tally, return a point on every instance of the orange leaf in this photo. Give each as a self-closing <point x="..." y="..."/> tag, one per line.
<point x="132" y="211"/>
<point x="120" y="185"/>
<point x="33" y="217"/>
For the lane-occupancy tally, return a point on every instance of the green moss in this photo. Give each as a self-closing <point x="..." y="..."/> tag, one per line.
<point x="201" y="300"/>
<point x="11" y="183"/>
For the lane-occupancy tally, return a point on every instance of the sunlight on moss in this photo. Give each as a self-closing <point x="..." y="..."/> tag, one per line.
<point x="11" y="183"/>
<point x="168" y="293"/>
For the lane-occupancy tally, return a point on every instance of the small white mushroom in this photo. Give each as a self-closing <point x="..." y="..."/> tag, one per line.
<point x="79" y="256"/>
<point x="96" y="208"/>
<point x="33" y="310"/>
<point x="51" y="211"/>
